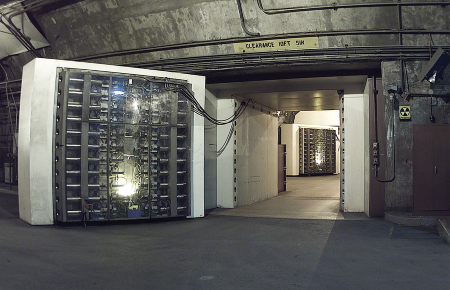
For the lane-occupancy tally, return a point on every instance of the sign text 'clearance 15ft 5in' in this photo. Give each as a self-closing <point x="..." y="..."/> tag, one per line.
<point x="277" y="44"/>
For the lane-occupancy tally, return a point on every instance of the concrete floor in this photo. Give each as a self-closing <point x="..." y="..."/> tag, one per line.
<point x="221" y="252"/>
<point x="313" y="197"/>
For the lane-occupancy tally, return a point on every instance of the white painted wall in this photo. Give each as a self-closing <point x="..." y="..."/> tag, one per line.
<point x="256" y="157"/>
<point x="290" y="137"/>
<point x="225" y="166"/>
<point x="367" y="148"/>
<point x="354" y="152"/>
<point x="35" y="165"/>
<point x="36" y="137"/>
<point x="319" y="118"/>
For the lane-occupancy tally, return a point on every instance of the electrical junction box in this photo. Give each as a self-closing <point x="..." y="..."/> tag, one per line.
<point x="118" y="144"/>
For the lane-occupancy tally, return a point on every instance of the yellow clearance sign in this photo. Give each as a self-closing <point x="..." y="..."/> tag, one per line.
<point x="277" y="44"/>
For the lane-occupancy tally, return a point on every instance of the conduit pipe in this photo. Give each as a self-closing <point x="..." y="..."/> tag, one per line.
<point x="350" y="54"/>
<point x="20" y="37"/>
<point x="241" y="16"/>
<point x="336" y="6"/>
<point x="377" y="166"/>
<point x="245" y="39"/>
<point x="11" y="81"/>
<point x="22" y="7"/>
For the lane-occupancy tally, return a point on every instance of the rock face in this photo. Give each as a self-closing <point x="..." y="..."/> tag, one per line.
<point x="93" y="28"/>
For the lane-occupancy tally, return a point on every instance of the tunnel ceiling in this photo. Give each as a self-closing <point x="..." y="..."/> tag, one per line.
<point x="303" y="94"/>
<point x="291" y="71"/>
<point x="139" y="32"/>
<point x="198" y="36"/>
<point x="298" y="100"/>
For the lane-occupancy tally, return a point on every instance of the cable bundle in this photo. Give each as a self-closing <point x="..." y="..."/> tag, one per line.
<point x="227" y="140"/>
<point x="199" y="110"/>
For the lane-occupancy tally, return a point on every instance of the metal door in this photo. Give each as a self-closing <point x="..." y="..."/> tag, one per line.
<point x="431" y="169"/>
<point x="441" y="180"/>
<point x="422" y="168"/>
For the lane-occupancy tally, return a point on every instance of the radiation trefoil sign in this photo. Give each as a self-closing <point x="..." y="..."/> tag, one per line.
<point x="404" y="112"/>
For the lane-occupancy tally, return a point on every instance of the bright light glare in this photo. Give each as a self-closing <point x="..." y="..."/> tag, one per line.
<point x="135" y="105"/>
<point x="121" y="181"/>
<point x="126" y="190"/>
<point x="318" y="158"/>
<point x="432" y="79"/>
<point x="118" y="92"/>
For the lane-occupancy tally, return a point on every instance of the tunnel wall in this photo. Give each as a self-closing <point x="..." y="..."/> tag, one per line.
<point x="88" y="30"/>
<point x="399" y="149"/>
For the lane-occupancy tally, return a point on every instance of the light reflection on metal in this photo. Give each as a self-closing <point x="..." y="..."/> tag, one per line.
<point x="432" y="79"/>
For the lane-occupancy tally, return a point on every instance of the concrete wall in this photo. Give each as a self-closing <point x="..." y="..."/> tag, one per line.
<point x="399" y="193"/>
<point x="86" y="28"/>
<point x="256" y="157"/>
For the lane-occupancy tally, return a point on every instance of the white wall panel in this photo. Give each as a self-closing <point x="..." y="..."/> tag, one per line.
<point x="319" y="118"/>
<point x="225" y="166"/>
<point x="354" y="152"/>
<point x="256" y="157"/>
<point x="367" y="148"/>
<point x="290" y="137"/>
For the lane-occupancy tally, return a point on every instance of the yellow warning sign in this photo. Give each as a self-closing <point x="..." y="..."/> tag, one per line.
<point x="276" y="44"/>
<point x="404" y="112"/>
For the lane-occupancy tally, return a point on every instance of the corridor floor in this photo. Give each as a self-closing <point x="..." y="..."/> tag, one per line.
<point x="220" y="252"/>
<point x="306" y="197"/>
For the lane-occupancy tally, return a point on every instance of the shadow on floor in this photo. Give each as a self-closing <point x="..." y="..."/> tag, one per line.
<point x="9" y="206"/>
<point x="222" y="252"/>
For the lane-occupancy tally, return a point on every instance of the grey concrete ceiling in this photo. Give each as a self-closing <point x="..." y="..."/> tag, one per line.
<point x="306" y="94"/>
<point x="297" y="100"/>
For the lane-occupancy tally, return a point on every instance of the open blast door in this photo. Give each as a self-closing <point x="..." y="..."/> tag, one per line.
<point x="100" y="142"/>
